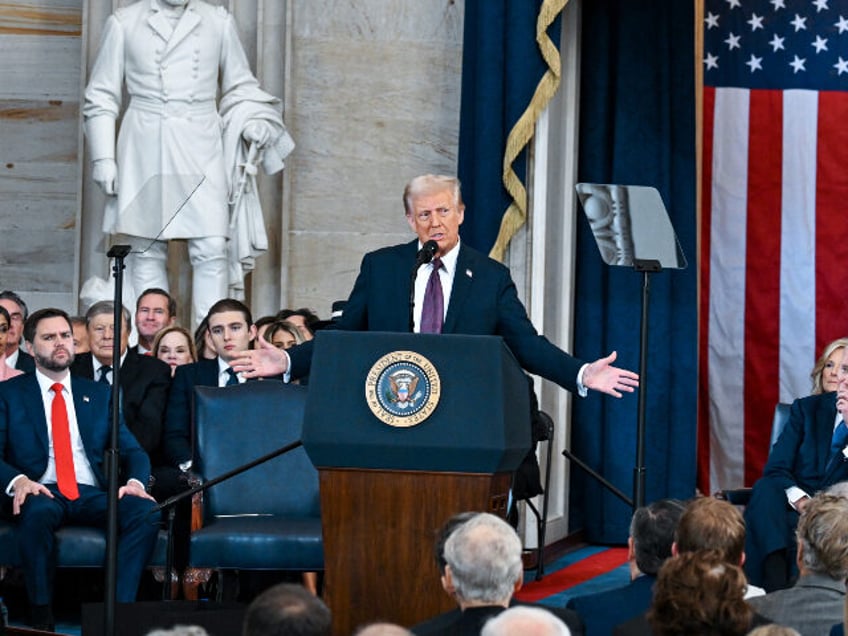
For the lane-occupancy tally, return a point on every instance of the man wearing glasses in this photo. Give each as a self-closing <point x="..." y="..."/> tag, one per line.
<point x="16" y="357"/>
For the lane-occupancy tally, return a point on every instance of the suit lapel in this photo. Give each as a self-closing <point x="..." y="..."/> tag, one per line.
<point x="158" y="22"/>
<point x="35" y="410"/>
<point x="461" y="290"/>
<point x="83" y="405"/>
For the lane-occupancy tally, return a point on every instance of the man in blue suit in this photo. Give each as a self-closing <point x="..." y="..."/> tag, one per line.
<point x="473" y="295"/>
<point x="54" y="430"/>
<point x="808" y="456"/>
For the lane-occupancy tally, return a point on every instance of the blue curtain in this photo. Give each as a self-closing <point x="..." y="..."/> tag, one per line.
<point x="637" y="127"/>
<point x="501" y="66"/>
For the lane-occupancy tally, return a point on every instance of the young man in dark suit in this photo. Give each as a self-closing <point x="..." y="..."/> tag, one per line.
<point x="145" y="382"/>
<point x="470" y="294"/>
<point x="54" y="430"/>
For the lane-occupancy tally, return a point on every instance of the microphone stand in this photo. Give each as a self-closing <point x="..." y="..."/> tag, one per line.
<point x="119" y="253"/>
<point x="171" y="502"/>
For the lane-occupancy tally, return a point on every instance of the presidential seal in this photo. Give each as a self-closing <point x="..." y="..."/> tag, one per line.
<point x="402" y="388"/>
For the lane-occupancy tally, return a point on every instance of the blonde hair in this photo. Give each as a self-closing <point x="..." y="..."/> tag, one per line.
<point x="818" y="370"/>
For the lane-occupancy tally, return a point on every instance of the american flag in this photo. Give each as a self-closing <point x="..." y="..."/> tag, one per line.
<point x="774" y="230"/>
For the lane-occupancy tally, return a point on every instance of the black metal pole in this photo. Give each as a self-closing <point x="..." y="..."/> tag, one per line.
<point x="646" y="267"/>
<point x="117" y="252"/>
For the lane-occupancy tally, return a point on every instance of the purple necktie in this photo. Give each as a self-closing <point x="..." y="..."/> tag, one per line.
<point x="433" y="309"/>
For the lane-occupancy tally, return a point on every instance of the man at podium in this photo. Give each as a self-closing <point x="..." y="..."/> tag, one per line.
<point x="452" y="289"/>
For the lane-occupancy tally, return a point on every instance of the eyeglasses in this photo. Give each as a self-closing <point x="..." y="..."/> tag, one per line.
<point x="425" y="215"/>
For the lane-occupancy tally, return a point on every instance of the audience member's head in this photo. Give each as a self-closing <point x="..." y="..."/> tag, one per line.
<point x="18" y="313"/>
<point x="284" y="334"/>
<point x="527" y="621"/>
<point x="50" y="340"/>
<point x="382" y="629"/>
<point x="652" y="533"/>
<point x="203" y="341"/>
<point x="773" y="629"/>
<point x="823" y="537"/>
<point x="700" y="593"/>
<point x="712" y="524"/>
<point x="483" y="558"/>
<point x="155" y="309"/>
<point x="839" y="489"/>
<point x="230" y="327"/>
<point x="262" y="325"/>
<point x="442" y="536"/>
<point x="304" y="319"/>
<point x="180" y="630"/>
<point x="823" y="374"/>
<point x="287" y="610"/>
<point x="100" y="324"/>
<point x="80" y="334"/>
<point x="175" y="346"/>
<point x="5" y="326"/>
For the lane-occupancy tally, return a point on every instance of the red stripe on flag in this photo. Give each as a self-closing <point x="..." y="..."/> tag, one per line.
<point x="575" y="574"/>
<point x="831" y="219"/>
<point x="762" y="276"/>
<point x="704" y="308"/>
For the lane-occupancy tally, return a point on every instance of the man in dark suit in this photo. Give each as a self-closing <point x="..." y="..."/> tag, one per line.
<point x="809" y="456"/>
<point x="232" y="330"/>
<point x="469" y="293"/>
<point x="652" y="531"/>
<point x="54" y="430"/>
<point x="479" y="556"/>
<point x="16" y="357"/>
<point x="145" y="382"/>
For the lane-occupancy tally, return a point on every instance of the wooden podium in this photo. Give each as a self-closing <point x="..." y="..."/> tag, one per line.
<point x="406" y="430"/>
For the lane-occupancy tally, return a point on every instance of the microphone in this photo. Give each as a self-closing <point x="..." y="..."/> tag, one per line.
<point x="426" y="253"/>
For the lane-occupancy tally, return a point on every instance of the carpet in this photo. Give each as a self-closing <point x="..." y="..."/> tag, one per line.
<point x="583" y="571"/>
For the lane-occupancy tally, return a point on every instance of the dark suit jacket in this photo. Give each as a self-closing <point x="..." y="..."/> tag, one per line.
<point x="145" y="382"/>
<point x="472" y="620"/>
<point x="24" y="443"/>
<point x="179" y="414"/>
<point x="603" y="611"/>
<point x="483" y="302"/>
<point x="25" y="362"/>
<point x="800" y="457"/>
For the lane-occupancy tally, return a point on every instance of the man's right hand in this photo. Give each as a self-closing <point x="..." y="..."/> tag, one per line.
<point x="264" y="361"/>
<point x="24" y="487"/>
<point x="105" y="174"/>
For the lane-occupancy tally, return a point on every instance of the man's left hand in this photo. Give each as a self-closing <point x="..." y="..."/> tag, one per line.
<point x="601" y="376"/>
<point x="134" y="489"/>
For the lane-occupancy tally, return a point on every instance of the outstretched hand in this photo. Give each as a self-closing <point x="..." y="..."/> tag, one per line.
<point x="601" y="376"/>
<point x="263" y="361"/>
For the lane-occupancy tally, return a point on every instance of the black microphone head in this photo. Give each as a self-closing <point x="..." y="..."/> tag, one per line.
<point x="430" y="248"/>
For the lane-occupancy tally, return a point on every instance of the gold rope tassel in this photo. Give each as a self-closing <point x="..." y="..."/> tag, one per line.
<point x="520" y="135"/>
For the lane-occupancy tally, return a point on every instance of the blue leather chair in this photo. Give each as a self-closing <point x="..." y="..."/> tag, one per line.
<point x="741" y="496"/>
<point x="269" y="517"/>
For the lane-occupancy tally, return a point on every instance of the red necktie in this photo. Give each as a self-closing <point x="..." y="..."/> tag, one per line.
<point x="66" y="477"/>
<point x="433" y="307"/>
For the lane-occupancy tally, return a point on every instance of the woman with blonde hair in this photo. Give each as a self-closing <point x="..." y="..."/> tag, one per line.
<point x="823" y="374"/>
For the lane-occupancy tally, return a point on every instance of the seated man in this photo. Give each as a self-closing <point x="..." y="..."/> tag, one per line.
<point x="652" y="531"/>
<point x="16" y="357"/>
<point x="54" y="429"/>
<point x="525" y="620"/>
<point x="479" y="557"/>
<point x="287" y="609"/>
<point x="809" y="456"/>
<point x="155" y="309"/>
<point x="144" y="387"/>
<point x="712" y="524"/>
<point x="817" y="599"/>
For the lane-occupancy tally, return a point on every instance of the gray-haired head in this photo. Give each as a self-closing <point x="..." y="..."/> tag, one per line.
<point x="483" y="558"/>
<point x="525" y="620"/>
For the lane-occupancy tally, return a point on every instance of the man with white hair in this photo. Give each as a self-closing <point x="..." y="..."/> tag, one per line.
<point x="483" y="569"/>
<point x="527" y="621"/>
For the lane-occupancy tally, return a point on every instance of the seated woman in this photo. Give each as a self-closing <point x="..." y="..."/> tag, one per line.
<point x="698" y="593"/>
<point x="175" y="346"/>
<point x="283" y="334"/>
<point x="6" y="371"/>
<point x="823" y="374"/>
